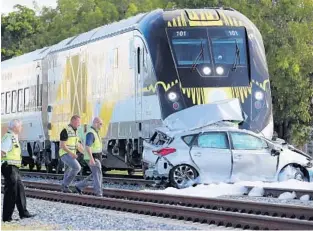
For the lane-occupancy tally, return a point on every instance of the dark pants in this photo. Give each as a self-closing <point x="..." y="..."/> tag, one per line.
<point x="13" y="192"/>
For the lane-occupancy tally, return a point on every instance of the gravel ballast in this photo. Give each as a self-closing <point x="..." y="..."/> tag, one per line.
<point x="56" y="216"/>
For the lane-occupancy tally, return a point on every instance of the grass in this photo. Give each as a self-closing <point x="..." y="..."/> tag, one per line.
<point x="12" y="226"/>
<point x="121" y="172"/>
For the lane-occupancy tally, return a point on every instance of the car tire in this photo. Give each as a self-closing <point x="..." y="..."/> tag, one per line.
<point x="189" y="177"/>
<point x="292" y="172"/>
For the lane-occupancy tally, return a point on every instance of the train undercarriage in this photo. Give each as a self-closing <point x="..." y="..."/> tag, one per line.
<point x="124" y="154"/>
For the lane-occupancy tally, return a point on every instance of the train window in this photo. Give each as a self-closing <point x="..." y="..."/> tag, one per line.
<point x="229" y="45"/>
<point x="13" y="101"/>
<point x="20" y="100"/>
<point x="8" y="102"/>
<point x="2" y="103"/>
<point x="131" y="54"/>
<point x="115" y="58"/>
<point x="189" y="51"/>
<point x="39" y="93"/>
<point x="144" y="59"/>
<point x="138" y="60"/>
<point x="26" y="99"/>
<point x="225" y="50"/>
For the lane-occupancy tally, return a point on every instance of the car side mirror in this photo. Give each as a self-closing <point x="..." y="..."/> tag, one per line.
<point x="275" y="152"/>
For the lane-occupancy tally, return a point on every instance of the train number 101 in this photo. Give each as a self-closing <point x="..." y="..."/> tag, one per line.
<point x="181" y="33"/>
<point x="233" y="33"/>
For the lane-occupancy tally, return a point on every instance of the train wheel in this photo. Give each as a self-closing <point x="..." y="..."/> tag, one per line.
<point x="104" y="170"/>
<point x="131" y="172"/>
<point x="59" y="167"/>
<point x="38" y="167"/>
<point x="31" y="166"/>
<point x="49" y="168"/>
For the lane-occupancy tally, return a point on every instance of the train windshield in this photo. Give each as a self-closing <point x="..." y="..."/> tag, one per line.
<point x="214" y="46"/>
<point x="190" y="45"/>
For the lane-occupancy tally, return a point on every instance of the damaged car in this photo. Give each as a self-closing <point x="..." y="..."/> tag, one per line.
<point x="187" y="151"/>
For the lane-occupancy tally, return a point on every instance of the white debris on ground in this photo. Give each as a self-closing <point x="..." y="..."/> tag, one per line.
<point x="57" y="216"/>
<point x="236" y="189"/>
<point x="293" y="184"/>
<point x="287" y="195"/>
<point x="305" y="198"/>
<point x="256" y="192"/>
<point x="212" y="190"/>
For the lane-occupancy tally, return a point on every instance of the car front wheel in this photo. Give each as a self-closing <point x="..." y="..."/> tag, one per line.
<point x="292" y="172"/>
<point x="183" y="176"/>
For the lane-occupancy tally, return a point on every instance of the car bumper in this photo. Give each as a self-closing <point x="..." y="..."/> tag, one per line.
<point x="159" y="171"/>
<point x="310" y="171"/>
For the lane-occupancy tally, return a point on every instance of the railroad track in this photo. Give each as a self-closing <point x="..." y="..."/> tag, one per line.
<point x="105" y="175"/>
<point x="268" y="191"/>
<point x="224" y="212"/>
<point x="117" y="180"/>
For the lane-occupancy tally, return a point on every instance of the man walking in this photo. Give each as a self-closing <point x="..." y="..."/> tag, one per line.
<point x="69" y="143"/>
<point x="93" y="155"/>
<point x="14" y="193"/>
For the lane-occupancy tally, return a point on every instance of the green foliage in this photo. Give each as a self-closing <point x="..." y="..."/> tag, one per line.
<point x="15" y="27"/>
<point x="286" y="27"/>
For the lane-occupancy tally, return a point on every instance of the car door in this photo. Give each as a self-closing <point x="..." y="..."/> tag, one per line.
<point x="211" y="153"/>
<point x="252" y="159"/>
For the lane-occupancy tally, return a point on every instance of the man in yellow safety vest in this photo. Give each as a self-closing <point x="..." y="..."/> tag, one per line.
<point x="69" y="143"/>
<point x="93" y="155"/>
<point x="14" y="193"/>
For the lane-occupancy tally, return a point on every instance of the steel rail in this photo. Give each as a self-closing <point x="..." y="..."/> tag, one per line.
<point x="221" y="218"/>
<point x="241" y="206"/>
<point x="130" y="181"/>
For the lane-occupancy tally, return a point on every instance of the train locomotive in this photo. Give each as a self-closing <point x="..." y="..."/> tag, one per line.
<point x="133" y="74"/>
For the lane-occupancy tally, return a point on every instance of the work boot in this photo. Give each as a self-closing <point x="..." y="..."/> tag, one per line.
<point x="7" y="219"/>
<point x="78" y="190"/>
<point x="66" y="190"/>
<point x="27" y="216"/>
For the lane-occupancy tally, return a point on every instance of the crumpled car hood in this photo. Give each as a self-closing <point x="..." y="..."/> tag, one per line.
<point x="200" y="116"/>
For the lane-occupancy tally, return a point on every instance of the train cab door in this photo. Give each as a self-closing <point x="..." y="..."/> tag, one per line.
<point x="139" y="72"/>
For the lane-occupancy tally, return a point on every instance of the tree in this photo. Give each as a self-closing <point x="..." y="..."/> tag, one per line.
<point x="289" y="46"/>
<point x="15" y="27"/>
<point x="286" y="27"/>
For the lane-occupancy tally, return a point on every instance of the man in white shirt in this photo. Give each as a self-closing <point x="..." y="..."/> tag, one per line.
<point x="14" y="193"/>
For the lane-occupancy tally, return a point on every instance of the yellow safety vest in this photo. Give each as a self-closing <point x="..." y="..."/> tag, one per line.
<point x="71" y="142"/>
<point x="14" y="155"/>
<point x="96" y="147"/>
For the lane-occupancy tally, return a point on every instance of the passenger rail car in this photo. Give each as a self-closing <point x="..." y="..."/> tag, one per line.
<point x="133" y="74"/>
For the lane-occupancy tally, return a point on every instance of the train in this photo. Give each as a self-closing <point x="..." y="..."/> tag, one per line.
<point x="133" y="74"/>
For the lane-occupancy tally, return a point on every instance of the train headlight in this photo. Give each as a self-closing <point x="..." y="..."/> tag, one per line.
<point x="206" y="70"/>
<point x="220" y="70"/>
<point x="258" y="95"/>
<point x="172" y="96"/>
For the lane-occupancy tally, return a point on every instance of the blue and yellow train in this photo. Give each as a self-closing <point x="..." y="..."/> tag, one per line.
<point x="133" y="74"/>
